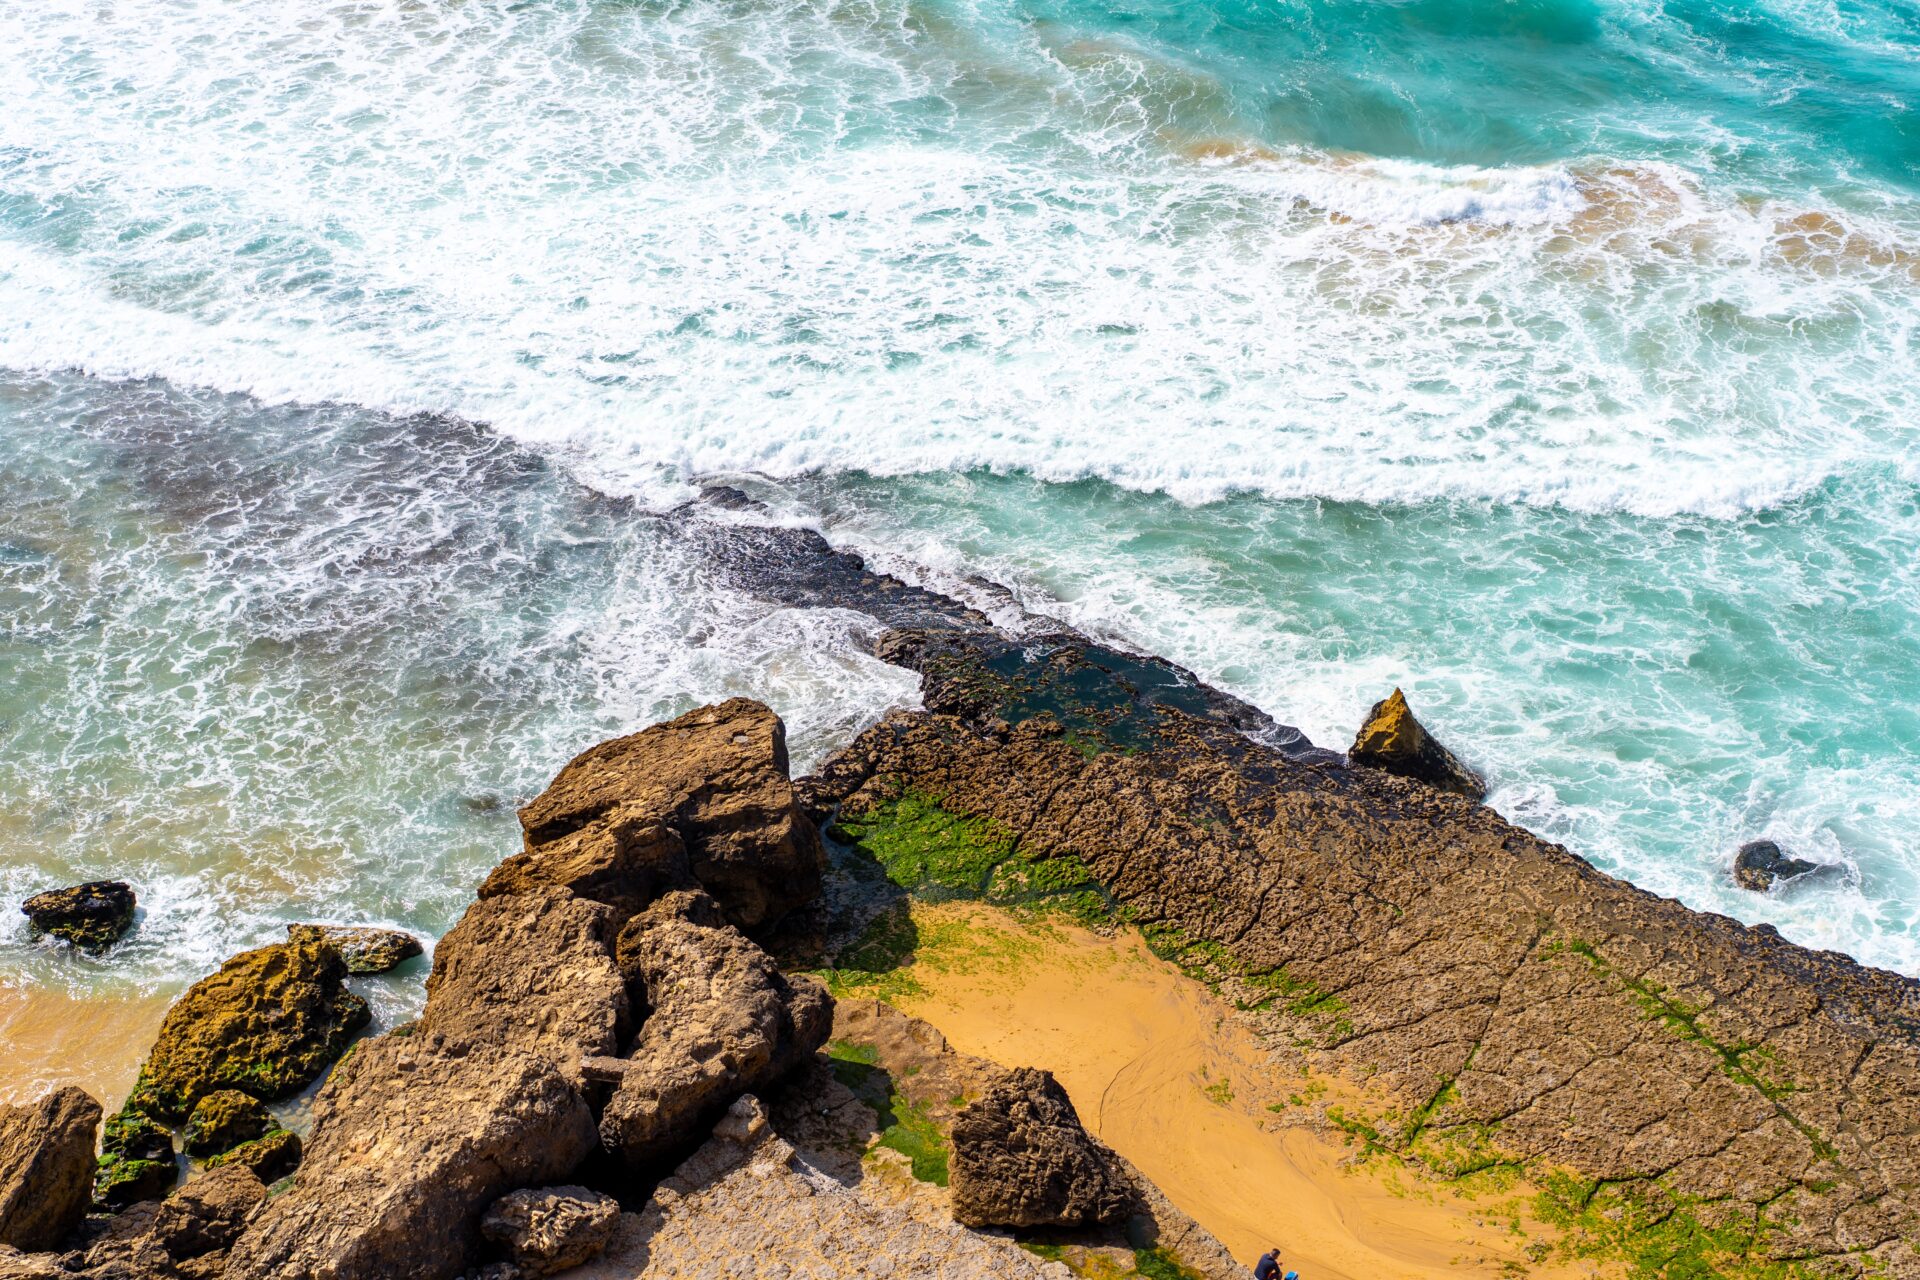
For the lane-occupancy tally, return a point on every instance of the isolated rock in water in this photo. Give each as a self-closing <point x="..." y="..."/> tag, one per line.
<point x="1022" y="1159"/>
<point x="365" y="950"/>
<point x="412" y="1139"/>
<point x="530" y="969"/>
<point x="208" y="1214"/>
<point x="91" y="915"/>
<point x="717" y="777"/>
<point x="551" y="1229"/>
<point x="1392" y="740"/>
<point x="223" y="1120"/>
<point x="268" y="1023"/>
<point x="1761" y="864"/>
<point x="723" y="1021"/>
<point x="46" y="1167"/>
<point x="271" y="1158"/>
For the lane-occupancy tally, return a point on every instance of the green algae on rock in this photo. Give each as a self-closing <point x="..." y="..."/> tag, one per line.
<point x="271" y="1157"/>
<point x="92" y="916"/>
<point x="223" y="1120"/>
<point x="268" y="1024"/>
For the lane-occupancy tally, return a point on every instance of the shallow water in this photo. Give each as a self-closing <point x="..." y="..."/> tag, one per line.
<point x="1554" y="359"/>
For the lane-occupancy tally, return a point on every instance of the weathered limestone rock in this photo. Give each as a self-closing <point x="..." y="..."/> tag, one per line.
<point x="716" y="778"/>
<point x="413" y="1138"/>
<point x="268" y="1023"/>
<point x="364" y="950"/>
<point x="270" y="1158"/>
<point x="208" y="1214"/>
<point x="550" y="1229"/>
<point x="534" y="970"/>
<point x="46" y="1167"/>
<point x="1393" y="740"/>
<point x="722" y="1020"/>
<point x="1022" y="1159"/>
<point x="92" y="915"/>
<point x="1761" y="864"/>
<point x="1526" y="1006"/>
<point x="223" y="1120"/>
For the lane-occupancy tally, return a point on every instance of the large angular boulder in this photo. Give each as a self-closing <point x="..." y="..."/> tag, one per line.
<point x="364" y="950"/>
<point x="717" y="779"/>
<point x="92" y="915"/>
<point x="1392" y="740"/>
<point x="413" y="1138"/>
<point x="208" y="1214"/>
<point x="1022" y="1159"/>
<point x="268" y="1023"/>
<point x="551" y="1229"/>
<point x="46" y="1167"/>
<point x="534" y="969"/>
<point x="723" y="1020"/>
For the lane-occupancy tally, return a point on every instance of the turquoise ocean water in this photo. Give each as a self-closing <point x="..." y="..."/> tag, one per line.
<point x="1556" y="361"/>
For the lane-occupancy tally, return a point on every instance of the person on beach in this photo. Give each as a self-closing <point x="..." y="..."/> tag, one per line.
<point x="1268" y="1268"/>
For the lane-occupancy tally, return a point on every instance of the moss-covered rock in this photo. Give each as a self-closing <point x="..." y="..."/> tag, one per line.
<point x="91" y="916"/>
<point x="120" y="1182"/>
<point x="223" y="1120"/>
<point x="268" y="1024"/>
<point x="271" y="1157"/>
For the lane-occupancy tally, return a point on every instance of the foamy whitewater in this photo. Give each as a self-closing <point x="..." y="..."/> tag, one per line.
<point x="1554" y="360"/>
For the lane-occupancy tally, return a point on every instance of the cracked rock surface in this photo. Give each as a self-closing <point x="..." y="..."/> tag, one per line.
<point x="1022" y="1159"/>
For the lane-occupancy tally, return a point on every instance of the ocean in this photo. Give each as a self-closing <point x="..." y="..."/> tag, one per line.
<point x="1555" y="361"/>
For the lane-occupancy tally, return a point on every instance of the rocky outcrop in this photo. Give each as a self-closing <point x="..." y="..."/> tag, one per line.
<point x="268" y="1023"/>
<point x="1523" y="1006"/>
<point x="550" y="1229"/>
<point x="717" y="779"/>
<point x="412" y="1140"/>
<point x="46" y="1167"/>
<point x="1393" y="740"/>
<point x="92" y="915"/>
<point x="1022" y="1159"/>
<point x="364" y="950"/>
<point x="270" y="1158"/>
<point x="722" y="1020"/>
<point x="137" y="1160"/>
<point x="207" y="1215"/>
<point x="1761" y="864"/>
<point x="223" y="1120"/>
<point x="534" y="970"/>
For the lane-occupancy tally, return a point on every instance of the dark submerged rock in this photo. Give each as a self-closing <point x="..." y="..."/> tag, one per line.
<point x="365" y="950"/>
<point x="551" y="1229"/>
<point x="1761" y="864"/>
<point x="92" y="915"/>
<point x="46" y="1167"/>
<point x="1021" y="1158"/>
<point x="1393" y="740"/>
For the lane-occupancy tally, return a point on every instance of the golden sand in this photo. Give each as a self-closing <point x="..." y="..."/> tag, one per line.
<point x="50" y="1038"/>
<point x="1162" y="1071"/>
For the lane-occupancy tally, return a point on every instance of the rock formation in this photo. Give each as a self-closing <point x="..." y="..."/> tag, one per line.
<point x="364" y="950"/>
<point x="46" y="1167"/>
<point x="92" y="915"/>
<point x="1022" y="1159"/>
<point x="223" y="1120"/>
<point x="1393" y="740"/>
<point x="1761" y="864"/>
<point x="550" y="1229"/>
<point x="1689" y="1072"/>
<point x="270" y="1157"/>
<point x="723" y="1020"/>
<point x="268" y="1023"/>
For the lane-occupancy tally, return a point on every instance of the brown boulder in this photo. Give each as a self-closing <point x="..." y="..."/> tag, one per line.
<point x="364" y="950"/>
<point x="268" y="1023"/>
<point x="1394" y="741"/>
<point x="46" y="1167"/>
<point x="534" y="970"/>
<point x="271" y="1158"/>
<point x="1022" y="1159"/>
<point x="208" y="1214"/>
<point x="551" y="1229"/>
<point x="92" y="915"/>
<point x="413" y="1138"/>
<point x="723" y="1021"/>
<point x="717" y="777"/>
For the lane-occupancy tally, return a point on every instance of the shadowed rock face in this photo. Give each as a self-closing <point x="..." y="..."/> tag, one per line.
<point x="710" y="786"/>
<point x="1393" y="740"/>
<point x="1522" y="1005"/>
<point x="46" y="1167"/>
<point x="1022" y="1159"/>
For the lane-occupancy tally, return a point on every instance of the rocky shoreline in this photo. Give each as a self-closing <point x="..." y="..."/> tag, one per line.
<point x="622" y="1012"/>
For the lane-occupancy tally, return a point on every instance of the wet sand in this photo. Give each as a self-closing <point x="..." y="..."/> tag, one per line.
<point x="1162" y="1071"/>
<point x="50" y="1037"/>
